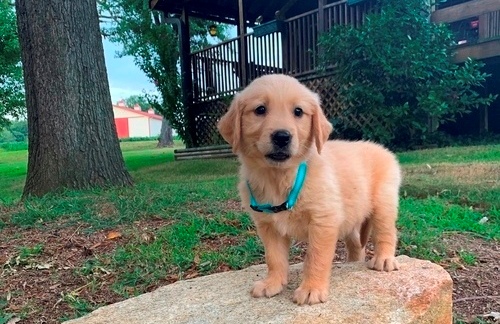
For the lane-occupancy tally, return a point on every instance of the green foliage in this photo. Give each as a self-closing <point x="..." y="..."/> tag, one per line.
<point x="459" y="154"/>
<point x="155" y="48"/>
<point x="398" y="68"/>
<point x="4" y="317"/>
<point x="11" y="76"/>
<point x="79" y="305"/>
<point x="467" y="257"/>
<point x="16" y="131"/>
<point x="29" y="252"/>
<point x="138" y="99"/>
<point x="423" y="222"/>
<point x="185" y="247"/>
<point x="139" y="139"/>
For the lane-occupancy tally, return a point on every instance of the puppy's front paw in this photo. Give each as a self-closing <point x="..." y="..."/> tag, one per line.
<point x="310" y="295"/>
<point x="267" y="287"/>
<point x="383" y="263"/>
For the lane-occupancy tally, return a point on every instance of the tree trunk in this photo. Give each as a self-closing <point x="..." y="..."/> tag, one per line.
<point x="166" y="136"/>
<point x="72" y="135"/>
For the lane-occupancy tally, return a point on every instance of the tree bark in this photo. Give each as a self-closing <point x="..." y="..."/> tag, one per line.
<point x="72" y="140"/>
<point x="166" y="138"/>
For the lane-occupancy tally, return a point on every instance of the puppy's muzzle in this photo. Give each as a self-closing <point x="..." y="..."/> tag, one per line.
<point x="281" y="140"/>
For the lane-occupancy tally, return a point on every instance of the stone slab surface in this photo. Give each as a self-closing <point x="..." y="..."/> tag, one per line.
<point x="420" y="292"/>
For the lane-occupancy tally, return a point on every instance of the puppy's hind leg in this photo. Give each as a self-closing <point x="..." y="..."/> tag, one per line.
<point x="356" y="242"/>
<point x="384" y="236"/>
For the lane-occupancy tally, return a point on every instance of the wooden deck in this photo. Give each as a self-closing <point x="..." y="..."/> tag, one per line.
<point x="217" y="71"/>
<point x="207" y="152"/>
<point x="477" y="28"/>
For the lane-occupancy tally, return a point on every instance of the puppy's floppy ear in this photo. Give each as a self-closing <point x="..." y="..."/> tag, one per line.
<point x="321" y="127"/>
<point x="230" y="124"/>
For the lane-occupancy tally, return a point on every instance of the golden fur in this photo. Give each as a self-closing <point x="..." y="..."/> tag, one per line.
<point x="351" y="188"/>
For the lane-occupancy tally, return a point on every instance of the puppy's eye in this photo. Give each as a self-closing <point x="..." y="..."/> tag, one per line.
<point x="298" y="112"/>
<point x="261" y="110"/>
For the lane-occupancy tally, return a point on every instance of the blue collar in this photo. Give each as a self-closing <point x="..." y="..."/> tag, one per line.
<point x="292" y="196"/>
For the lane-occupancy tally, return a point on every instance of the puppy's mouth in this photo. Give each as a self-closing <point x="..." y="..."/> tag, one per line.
<point x="278" y="156"/>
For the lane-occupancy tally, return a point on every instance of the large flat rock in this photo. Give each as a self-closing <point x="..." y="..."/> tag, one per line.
<point x="420" y="292"/>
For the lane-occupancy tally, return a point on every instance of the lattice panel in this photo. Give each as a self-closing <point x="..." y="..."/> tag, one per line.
<point x="208" y="113"/>
<point x="205" y="122"/>
<point x="335" y="111"/>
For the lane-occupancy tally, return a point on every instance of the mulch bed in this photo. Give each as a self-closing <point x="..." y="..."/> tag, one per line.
<point x="39" y="285"/>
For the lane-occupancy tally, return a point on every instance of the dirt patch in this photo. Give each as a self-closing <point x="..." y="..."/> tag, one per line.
<point x="45" y="284"/>
<point x="476" y="286"/>
<point x="466" y="174"/>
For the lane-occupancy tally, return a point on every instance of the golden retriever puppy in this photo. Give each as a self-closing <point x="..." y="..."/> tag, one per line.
<point x="297" y="185"/>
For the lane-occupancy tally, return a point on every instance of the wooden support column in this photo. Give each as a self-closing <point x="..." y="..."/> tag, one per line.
<point x="321" y="16"/>
<point x="182" y="26"/>
<point x="186" y="77"/>
<point x="321" y="24"/>
<point x="285" y="50"/>
<point x="483" y="120"/>
<point x="242" y="45"/>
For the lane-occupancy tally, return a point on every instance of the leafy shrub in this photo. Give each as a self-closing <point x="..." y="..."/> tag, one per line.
<point x="14" y="146"/>
<point x="139" y="139"/>
<point x="398" y="67"/>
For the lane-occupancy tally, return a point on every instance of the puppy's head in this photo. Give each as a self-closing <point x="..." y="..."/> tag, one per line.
<point x="275" y="120"/>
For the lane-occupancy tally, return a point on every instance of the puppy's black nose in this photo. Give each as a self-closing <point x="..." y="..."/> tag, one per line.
<point x="281" y="138"/>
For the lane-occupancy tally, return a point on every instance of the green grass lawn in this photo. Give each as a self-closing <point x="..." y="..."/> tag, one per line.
<point x="204" y="231"/>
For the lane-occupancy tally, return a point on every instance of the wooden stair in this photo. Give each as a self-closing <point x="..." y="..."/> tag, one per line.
<point x="207" y="152"/>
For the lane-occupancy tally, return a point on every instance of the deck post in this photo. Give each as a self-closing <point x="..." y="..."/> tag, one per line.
<point x="321" y="25"/>
<point x="182" y="26"/>
<point x="186" y="77"/>
<point x="242" y="45"/>
<point x="321" y="16"/>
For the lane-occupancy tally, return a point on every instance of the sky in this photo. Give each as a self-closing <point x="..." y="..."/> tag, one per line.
<point x="125" y="79"/>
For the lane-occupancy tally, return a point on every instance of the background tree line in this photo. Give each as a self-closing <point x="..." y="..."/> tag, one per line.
<point x="11" y="74"/>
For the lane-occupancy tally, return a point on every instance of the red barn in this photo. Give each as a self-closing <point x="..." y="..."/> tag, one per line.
<point x="133" y="122"/>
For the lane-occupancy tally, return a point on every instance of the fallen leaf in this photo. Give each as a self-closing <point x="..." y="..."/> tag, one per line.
<point x="483" y="220"/>
<point x="196" y="260"/>
<point x="494" y="315"/>
<point x="95" y="245"/>
<point x="43" y="266"/>
<point x="148" y="237"/>
<point x="192" y="275"/>
<point x="172" y="278"/>
<point x="113" y="235"/>
<point x="103" y="270"/>
<point x="54" y="286"/>
<point x="224" y="268"/>
<point x="14" y="320"/>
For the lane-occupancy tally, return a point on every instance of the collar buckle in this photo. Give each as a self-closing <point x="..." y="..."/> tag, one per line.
<point x="292" y="197"/>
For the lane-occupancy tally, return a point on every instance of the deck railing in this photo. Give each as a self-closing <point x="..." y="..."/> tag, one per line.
<point x="480" y="18"/>
<point x="217" y="71"/>
<point x="476" y="25"/>
<point x="491" y="28"/>
<point x="300" y="46"/>
<point x="340" y="13"/>
<point x="264" y="55"/>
